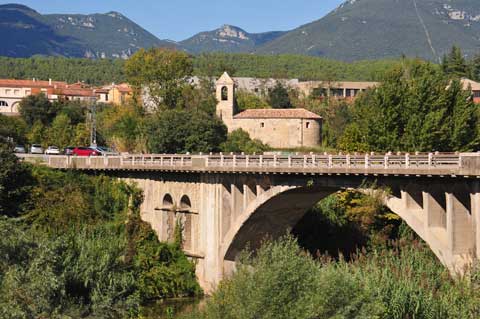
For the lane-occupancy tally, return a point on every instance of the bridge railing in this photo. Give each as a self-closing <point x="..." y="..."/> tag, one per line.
<point x="447" y="161"/>
<point x="170" y="160"/>
<point x="337" y="161"/>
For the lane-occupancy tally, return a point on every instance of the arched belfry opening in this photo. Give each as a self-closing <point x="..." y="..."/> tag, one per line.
<point x="224" y="93"/>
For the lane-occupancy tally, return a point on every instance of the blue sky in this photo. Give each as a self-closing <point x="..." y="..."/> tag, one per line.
<point x="180" y="19"/>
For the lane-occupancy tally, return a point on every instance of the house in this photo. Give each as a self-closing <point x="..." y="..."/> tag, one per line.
<point x="115" y="94"/>
<point x="279" y="128"/>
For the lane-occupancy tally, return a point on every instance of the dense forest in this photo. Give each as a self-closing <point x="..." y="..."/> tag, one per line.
<point x="100" y="72"/>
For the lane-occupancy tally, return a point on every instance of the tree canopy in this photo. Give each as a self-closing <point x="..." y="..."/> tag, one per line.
<point x="162" y="72"/>
<point x="416" y="108"/>
<point x="278" y="97"/>
<point x="181" y="131"/>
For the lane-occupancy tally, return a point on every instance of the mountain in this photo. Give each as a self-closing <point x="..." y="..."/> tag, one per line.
<point x="25" y="32"/>
<point x="372" y="29"/>
<point x="229" y="39"/>
<point x="356" y="30"/>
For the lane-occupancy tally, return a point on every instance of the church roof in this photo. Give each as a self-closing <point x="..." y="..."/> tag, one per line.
<point x="277" y="113"/>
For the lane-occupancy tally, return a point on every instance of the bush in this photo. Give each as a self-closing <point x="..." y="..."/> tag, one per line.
<point x="80" y="249"/>
<point x="239" y="141"/>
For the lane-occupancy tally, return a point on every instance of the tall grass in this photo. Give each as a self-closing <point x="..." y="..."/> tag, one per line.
<point x="282" y="281"/>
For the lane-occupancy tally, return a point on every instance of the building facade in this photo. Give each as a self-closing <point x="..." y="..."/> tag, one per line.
<point x="13" y="91"/>
<point x="279" y="128"/>
<point x="116" y="94"/>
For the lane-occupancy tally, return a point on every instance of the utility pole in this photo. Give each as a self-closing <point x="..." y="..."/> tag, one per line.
<point x="93" y="129"/>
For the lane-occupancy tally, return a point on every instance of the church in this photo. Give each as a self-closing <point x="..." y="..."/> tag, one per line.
<point x="279" y="128"/>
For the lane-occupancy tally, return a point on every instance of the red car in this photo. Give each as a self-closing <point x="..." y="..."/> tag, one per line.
<point x="84" y="151"/>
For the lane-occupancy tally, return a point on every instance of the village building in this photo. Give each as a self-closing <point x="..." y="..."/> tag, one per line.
<point x="116" y="94"/>
<point x="334" y="89"/>
<point x="474" y="86"/>
<point x="13" y="91"/>
<point x="279" y="128"/>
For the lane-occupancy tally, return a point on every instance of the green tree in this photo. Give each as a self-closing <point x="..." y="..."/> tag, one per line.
<point x="475" y="68"/>
<point x="278" y="97"/>
<point x="81" y="135"/>
<point x="15" y="182"/>
<point x="246" y="100"/>
<point x="240" y="141"/>
<point x="75" y="110"/>
<point x="37" y="108"/>
<point x="61" y="132"/>
<point x="199" y="98"/>
<point x="161" y="72"/>
<point x="454" y="64"/>
<point x="181" y="131"/>
<point x="121" y="126"/>
<point x="37" y="134"/>
<point x="13" y="128"/>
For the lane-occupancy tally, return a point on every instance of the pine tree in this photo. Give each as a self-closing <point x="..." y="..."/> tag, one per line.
<point x="454" y="64"/>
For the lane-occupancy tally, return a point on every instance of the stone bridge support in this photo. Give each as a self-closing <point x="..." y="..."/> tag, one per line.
<point x="447" y="217"/>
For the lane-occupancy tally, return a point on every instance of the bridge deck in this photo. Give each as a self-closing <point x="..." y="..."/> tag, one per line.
<point x="464" y="164"/>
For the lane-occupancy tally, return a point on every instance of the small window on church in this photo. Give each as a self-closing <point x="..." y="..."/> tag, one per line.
<point x="224" y="93"/>
<point x="308" y="125"/>
<point x="262" y="124"/>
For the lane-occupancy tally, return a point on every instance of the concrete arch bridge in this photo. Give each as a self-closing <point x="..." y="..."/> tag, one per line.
<point x="227" y="201"/>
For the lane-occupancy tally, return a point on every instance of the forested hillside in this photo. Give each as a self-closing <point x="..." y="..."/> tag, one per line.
<point x="106" y="71"/>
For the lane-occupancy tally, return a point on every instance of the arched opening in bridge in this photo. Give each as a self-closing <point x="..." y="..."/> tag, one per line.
<point x="324" y="220"/>
<point x="167" y="201"/>
<point x="185" y="203"/>
<point x="187" y="225"/>
<point x="169" y="208"/>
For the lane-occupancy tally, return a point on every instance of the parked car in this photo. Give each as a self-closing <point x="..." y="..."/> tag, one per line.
<point x="104" y="151"/>
<point x="69" y="150"/>
<point x="36" y="149"/>
<point x="85" y="151"/>
<point x="19" y="149"/>
<point x="52" y="150"/>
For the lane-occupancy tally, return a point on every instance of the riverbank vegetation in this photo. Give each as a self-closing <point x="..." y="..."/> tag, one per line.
<point x="403" y="281"/>
<point x="74" y="245"/>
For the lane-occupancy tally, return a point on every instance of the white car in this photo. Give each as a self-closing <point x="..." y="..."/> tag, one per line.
<point x="36" y="149"/>
<point x="52" y="150"/>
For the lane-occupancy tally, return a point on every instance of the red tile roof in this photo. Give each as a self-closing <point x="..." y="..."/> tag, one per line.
<point x="76" y="92"/>
<point x="29" y="83"/>
<point x="277" y="113"/>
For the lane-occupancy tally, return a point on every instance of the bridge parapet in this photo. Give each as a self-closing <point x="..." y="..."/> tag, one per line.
<point x="449" y="164"/>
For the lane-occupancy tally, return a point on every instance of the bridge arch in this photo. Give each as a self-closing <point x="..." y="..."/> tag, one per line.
<point x="427" y="211"/>
<point x="269" y="216"/>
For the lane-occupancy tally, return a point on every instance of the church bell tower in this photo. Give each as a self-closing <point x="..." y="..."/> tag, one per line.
<point x="226" y="99"/>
